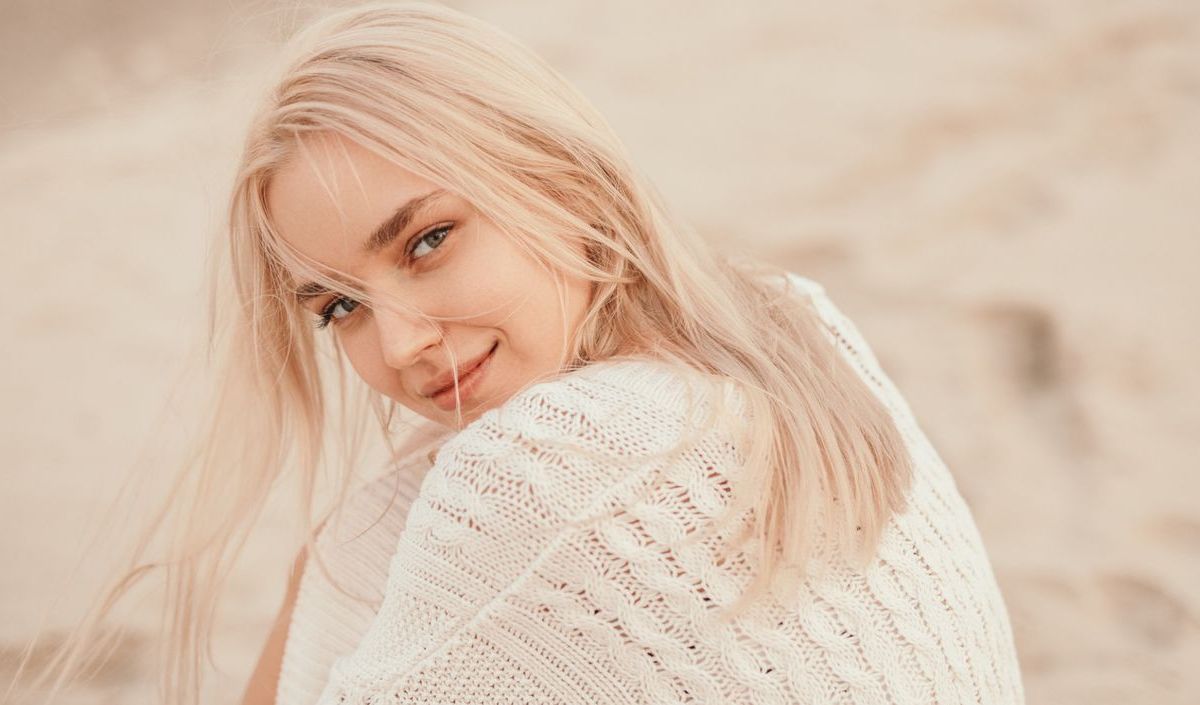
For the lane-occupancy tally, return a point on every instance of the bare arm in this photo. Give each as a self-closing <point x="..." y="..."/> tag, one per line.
<point x="263" y="682"/>
<point x="261" y="688"/>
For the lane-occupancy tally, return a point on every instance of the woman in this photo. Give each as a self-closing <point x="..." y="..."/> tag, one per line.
<point x="648" y="473"/>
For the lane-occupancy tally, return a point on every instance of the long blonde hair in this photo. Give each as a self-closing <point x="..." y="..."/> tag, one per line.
<point x="467" y="107"/>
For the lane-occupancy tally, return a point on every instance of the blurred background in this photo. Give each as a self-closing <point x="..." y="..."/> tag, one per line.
<point x="1003" y="194"/>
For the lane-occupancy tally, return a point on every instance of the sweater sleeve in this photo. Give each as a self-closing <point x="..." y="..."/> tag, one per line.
<point x="500" y="546"/>
<point x="547" y="559"/>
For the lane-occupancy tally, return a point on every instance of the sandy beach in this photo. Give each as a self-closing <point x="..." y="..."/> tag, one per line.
<point x="1002" y="195"/>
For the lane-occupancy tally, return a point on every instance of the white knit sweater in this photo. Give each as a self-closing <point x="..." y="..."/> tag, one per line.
<point x="538" y="560"/>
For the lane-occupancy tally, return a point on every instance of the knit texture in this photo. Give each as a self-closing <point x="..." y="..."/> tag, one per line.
<point x="542" y="560"/>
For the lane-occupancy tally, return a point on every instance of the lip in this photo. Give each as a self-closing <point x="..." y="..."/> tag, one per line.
<point x="442" y="390"/>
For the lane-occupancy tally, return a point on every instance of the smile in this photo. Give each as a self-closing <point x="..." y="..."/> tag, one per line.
<point x="467" y="383"/>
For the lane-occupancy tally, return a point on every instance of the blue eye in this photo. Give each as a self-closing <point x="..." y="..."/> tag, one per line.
<point x="329" y="313"/>
<point x="342" y="307"/>
<point x="432" y="239"/>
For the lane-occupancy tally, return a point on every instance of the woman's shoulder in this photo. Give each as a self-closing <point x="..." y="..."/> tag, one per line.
<point x="610" y="406"/>
<point x="786" y="280"/>
<point x="803" y="284"/>
<point x="665" y="382"/>
<point x="584" y="439"/>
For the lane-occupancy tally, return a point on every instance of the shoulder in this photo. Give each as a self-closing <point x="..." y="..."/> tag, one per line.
<point x="582" y="441"/>
<point x="791" y="282"/>
<point x="805" y="285"/>
<point x="613" y="406"/>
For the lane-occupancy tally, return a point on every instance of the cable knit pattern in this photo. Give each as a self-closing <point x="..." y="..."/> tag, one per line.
<point x="325" y="622"/>
<point x="542" y="562"/>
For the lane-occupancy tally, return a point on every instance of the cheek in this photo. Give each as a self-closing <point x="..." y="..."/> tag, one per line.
<point x="547" y="305"/>
<point x="507" y="290"/>
<point x="362" y="349"/>
<point x="550" y="317"/>
<point x="578" y="293"/>
<point x="499" y="274"/>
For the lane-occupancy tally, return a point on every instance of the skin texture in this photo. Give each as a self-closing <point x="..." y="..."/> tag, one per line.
<point x="326" y="206"/>
<point x="260" y="690"/>
<point x="488" y="289"/>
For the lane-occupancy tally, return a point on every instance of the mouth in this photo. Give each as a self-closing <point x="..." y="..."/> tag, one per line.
<point x="468" y="381"/>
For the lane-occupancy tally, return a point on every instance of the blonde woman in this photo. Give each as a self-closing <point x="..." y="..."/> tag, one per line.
<point x="646" y="473"/>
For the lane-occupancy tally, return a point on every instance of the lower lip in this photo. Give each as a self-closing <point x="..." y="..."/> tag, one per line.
<point x="466" y="384"/>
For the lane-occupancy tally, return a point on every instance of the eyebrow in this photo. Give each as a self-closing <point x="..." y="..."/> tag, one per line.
<point x="380" y="238"/>
<point x="389" y="229"/>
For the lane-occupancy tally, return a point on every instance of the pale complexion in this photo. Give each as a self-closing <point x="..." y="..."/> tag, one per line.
<point x="444" y="260"/>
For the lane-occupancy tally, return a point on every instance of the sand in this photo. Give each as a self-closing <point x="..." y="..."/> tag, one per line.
<point x="1001" y="194"/>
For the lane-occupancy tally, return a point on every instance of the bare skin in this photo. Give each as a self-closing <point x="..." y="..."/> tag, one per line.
<point x="416" y="247"/>
<point x="261" y="688"/>
<point x="444" y="259"/>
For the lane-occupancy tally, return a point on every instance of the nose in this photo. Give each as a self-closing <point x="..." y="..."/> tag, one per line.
<point x="403" y="334"/>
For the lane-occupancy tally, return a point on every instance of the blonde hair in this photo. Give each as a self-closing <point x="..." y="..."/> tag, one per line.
<point x="467" y="107"/>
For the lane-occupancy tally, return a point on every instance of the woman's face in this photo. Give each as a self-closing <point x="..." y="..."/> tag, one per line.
<point x="412" y="243"/>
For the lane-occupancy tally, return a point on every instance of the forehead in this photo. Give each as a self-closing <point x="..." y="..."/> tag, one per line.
<point x="332" y="193"/>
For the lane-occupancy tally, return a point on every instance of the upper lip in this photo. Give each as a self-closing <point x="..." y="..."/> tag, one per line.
<point x="445" y="381"/>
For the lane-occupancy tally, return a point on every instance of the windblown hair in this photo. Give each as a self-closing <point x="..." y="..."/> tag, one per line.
<point x="467" y="107"/>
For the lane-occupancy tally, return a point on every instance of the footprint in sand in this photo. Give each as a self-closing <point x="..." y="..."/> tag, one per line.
<point x="1146" y="610"/>
<point x="1028" y="344"/>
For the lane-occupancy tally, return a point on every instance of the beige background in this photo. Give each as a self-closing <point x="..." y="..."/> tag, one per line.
<point x="1003" y="195"/>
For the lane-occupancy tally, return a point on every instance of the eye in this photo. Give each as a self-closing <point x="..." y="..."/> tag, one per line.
<point x="330" y="312"/>
<point x="432" y="239"/>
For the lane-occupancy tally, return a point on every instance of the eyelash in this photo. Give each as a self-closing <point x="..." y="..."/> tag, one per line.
<point x="325" y="317"/>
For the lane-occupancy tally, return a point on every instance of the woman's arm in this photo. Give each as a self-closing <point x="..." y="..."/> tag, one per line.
<point x="261" y="688"/>
<point x="512" y="548"/>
